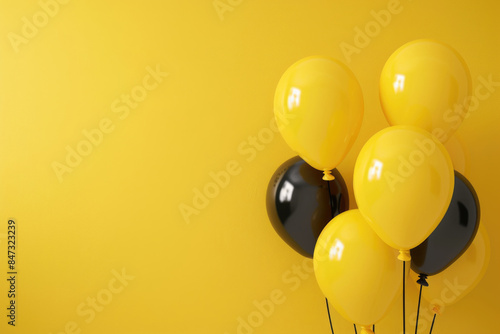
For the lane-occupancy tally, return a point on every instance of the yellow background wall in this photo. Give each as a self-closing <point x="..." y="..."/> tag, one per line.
<point x="102" y="244"/>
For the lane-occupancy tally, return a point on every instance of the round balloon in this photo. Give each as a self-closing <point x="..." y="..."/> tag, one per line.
<point x="426" y="83"/>
<point x="318" y="107"/>
<point x="403" y="183"/>
<point x="453" y="235"/>
<point x="356" y="271"/>
<point x="460" y="278"/>
<point x="300" y="203"/>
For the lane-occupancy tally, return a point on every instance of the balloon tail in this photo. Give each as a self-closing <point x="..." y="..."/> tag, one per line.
<point x="329" y="316"/>
<point x="366" y="330"/>
<point x="404" y="310"/>
<point x="423" y="282"/>
<point x="436" y="309"/>
<point x="328" y="175"/>
<point x="404" y="255"/>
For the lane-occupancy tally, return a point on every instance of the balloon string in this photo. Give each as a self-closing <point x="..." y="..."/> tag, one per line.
<point x="423" y="282"/>
<point x="331" y="198"/>
<point x="333" y="214"/>
<point x="331" y="209"/>
<point x="404" y="320"/>
<point x="432" y="323"/>
<point x="329" y="316"/>
<point x="418" y="308"/>
<point x="373" y="328"/>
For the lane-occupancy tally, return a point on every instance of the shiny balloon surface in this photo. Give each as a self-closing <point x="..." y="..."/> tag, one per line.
<point x="298" y="203"/>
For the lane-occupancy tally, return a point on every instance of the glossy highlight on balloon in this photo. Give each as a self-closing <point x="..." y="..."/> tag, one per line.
<point x="453" y="235"/>
<point x="357" y="272"/>
<point x="318" y="106"/>
<point x="426" y="83"/>
<point x="298" y="203"/>
<point x="403" y="183"/>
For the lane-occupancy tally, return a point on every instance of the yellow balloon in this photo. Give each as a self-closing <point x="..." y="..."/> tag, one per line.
<point x="356" y="271"/>
<point x="403" y="183"/>
<point x="455" y="282"/>
<point x="318" y="106"/>
<point x="426" y="83"/>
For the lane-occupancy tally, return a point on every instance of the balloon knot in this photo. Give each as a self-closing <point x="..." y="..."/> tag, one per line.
<point x="422" y="280"/>
<point x="404" y="255"/>
<point x="328" y="175"/>
<point x="366" y="330"/>
<point x="436" y="309"/>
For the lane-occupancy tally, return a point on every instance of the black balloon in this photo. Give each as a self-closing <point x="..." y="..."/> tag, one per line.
<point x="453" y="235"/>
<point x="300" y="203"/>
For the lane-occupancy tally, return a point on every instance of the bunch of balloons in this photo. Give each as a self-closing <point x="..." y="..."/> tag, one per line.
<point x="412" y="205"/>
